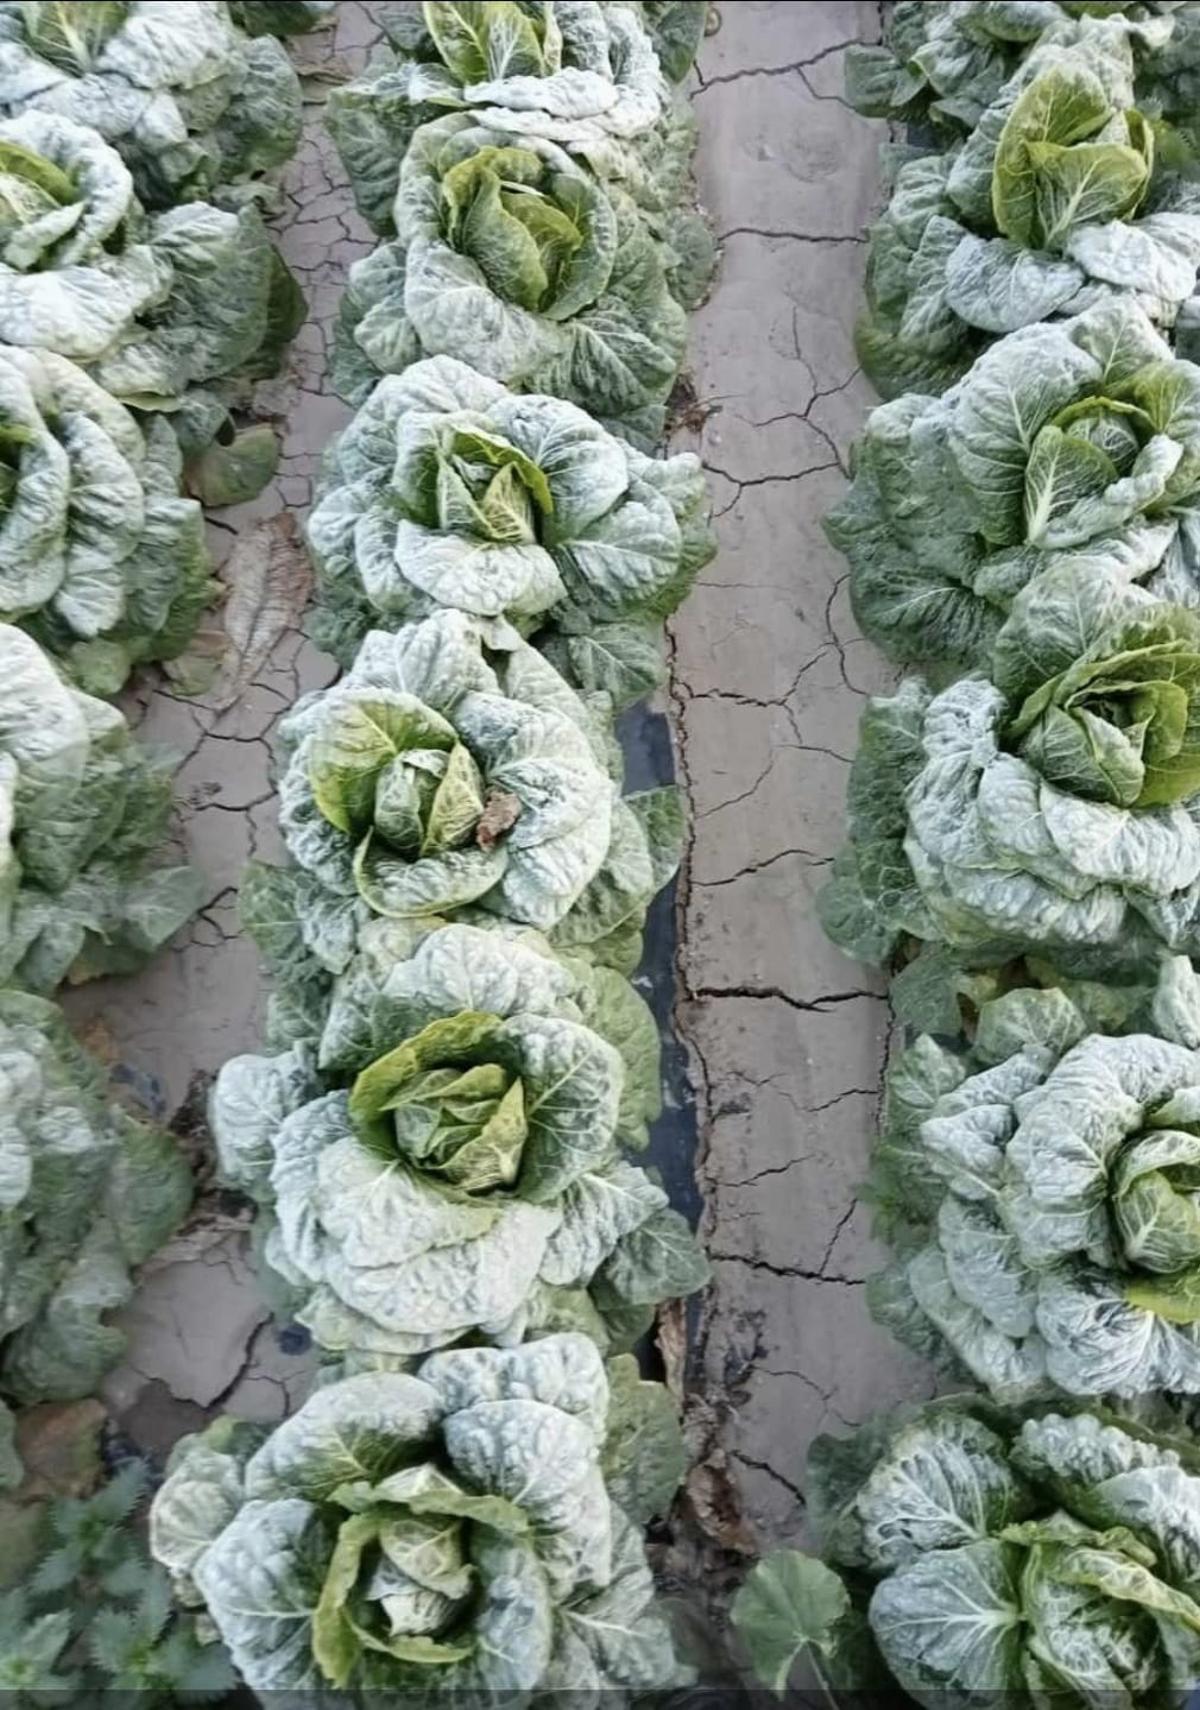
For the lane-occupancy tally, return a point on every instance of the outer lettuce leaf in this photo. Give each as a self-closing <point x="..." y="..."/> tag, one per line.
<point x="82" y="813"/>
<point x="86" y="1192"/>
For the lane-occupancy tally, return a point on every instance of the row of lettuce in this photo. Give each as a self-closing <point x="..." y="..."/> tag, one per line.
<point x="1024" y="860"/>
<point x="441" y="1143"/>
<point x="140" y="296"/>
<point x="140" y="299"/>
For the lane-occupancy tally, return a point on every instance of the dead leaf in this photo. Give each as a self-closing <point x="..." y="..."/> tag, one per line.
<point x="59" y="1446"/>
<point x="500" y="813"/>
<point x="270" y="582"/>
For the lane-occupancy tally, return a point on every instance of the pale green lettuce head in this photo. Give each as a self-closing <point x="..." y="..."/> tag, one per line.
<point x="82" y="812"/>
<point x="512" y="257"/>
<point x="1042" y="1190"/>
<point x="449" y="491"/>
<point x="449" y="1532"/>
<point x="101" y="558"/>
<point x="1073" y="445"/>
<point x="483" y="1121"/>
<point x="583" y="76"/>
<point x="189" y="102"/>
<point x="452" y="767"/>
<point x="990" y="1556"/>
<point x="1052" y="205"/>
<point x="86" y="1192"/>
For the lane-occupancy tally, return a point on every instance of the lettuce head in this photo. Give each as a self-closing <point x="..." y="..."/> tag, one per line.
<point x="190" y="103"/>
<point x="1042" y="1191"/>
<point x="584" y="76"/>
<point x="453" y="768"/>
<point x="969" y="1553"/>
<point x="1050" y="810"/>
<point x="411" y="1535"/>
<point x="1056" y="202"/>
<point x="1065" y="445"/>
<point x="447" y="1162"/>
<point x="513" y="257"/>
<point x="448" y="491"/>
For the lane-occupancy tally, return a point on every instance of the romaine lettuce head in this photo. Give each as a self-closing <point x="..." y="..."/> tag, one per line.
<point x="947" y="61"/>
<point x="1044" y="1183"/>
<point x="449" y="491"/>
<point x="1073" y="444"/>
<point x="991" y="1556"/>
<point x="188" y="101"/>
<point x="82" y="811"/>
<point x="510" y="255"/>
<point x="452" y="767"/>
<point x="1052" y="809"/>
<point x="100" y="556"/>
<point x="1052" y="205"/>
<point x="412" y="1536"/>
<point x="86" y="1192"/>
<point x="472" y="1169"/>
<point x="584" y="76"/>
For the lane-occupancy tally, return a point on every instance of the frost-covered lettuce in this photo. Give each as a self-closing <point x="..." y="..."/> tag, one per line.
<point x="100" y="556"/>
<point x="82" y="811"/>
<point x="190" y="103"/>
<point x="85" y="1193"/>
<point x="513" y="257"/>
<point x="417" y="1536"/>
<point x="946" y="61"/>
<point x="151" y="306"/>
<point x="990" y="1557"/>
<point x="1053" y="809"/>
<point x="580" y="74"/>
<point x="448" y="1162"/>
<point x="449" y="491"/>
<point x="1042" y="1188"/>
<point x="452" y="767"/>
<point x="1075" y="444"/>
<point x="1054" y="202"/>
